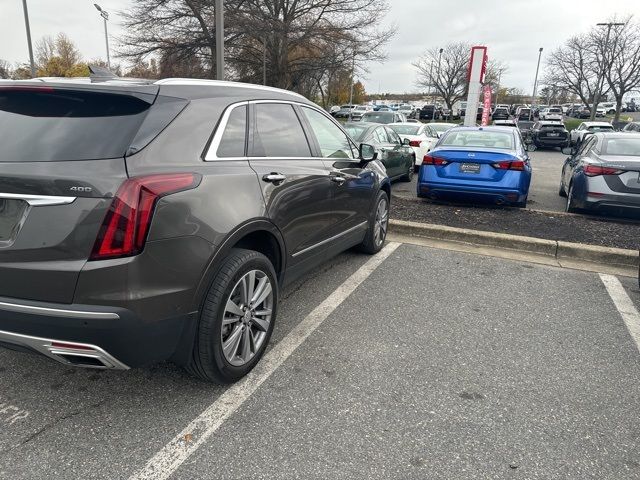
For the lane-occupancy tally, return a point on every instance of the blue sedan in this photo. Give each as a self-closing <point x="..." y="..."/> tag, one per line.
<point x="477" y="163"/>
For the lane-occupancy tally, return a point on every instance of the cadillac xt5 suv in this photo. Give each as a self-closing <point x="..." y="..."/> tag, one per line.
<point x="145" y="221"/>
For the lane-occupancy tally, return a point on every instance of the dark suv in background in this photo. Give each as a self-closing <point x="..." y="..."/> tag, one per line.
<point x="145" y="221"/>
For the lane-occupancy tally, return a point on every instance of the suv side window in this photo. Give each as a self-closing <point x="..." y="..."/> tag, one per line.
<point x="232" y="143"/>
<point x="393" y="136"/>
<point x="278" y="132"/>
<point x="332" y="141"/>
<point x="586" y="146"/>
<point x="380" y="135"/>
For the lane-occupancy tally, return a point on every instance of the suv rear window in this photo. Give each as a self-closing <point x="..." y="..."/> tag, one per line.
<point x="44" y="124"/>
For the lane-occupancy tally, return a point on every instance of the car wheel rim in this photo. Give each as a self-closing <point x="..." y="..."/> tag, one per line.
<point x="382" y="222"/>
<point x="247" y="317"/>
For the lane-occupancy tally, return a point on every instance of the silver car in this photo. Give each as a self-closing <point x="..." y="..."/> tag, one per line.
<point x="603" y="174"/>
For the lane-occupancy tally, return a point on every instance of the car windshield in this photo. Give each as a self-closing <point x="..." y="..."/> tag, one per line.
<point x="478" y="138"/>
<point x="346" y="107"/>
<point x="361" y="107"/>
<point x="622" y="146"/>
<point x="598" y="128"/>
<point x="406" y="107"/>
<point x="378" y="117"/>
<point x="406" y="129"/>
<point x="440" y="128"/>
<point x="356" y="130"/>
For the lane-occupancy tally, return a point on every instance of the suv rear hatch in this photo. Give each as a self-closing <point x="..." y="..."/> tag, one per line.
<point x="62" y="158"/>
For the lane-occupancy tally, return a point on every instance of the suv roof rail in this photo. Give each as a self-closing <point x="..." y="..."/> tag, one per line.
<point x="221" y="83"/>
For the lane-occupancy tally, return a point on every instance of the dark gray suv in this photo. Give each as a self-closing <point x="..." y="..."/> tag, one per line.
<point x="145" y="221"/>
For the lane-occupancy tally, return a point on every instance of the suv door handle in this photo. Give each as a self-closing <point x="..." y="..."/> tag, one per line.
<point x="274" y="177"/>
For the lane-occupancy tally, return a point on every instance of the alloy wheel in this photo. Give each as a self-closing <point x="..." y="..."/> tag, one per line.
<point x="381" y="222"/>
<point x="247" y="317"/>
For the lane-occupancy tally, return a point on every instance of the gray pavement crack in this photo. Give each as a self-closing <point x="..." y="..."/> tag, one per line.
<point x="52" y="424"/>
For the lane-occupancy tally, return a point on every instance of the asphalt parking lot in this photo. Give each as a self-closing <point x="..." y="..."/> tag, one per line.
<point x="423" y="364"/>
<point x="543" y="192"/>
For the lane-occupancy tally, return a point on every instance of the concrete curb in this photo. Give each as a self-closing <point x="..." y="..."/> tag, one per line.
<point x="551" y="248"/>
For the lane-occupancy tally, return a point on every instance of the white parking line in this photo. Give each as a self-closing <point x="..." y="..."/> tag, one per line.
<point x="174" y="454"/>
<point x="624" y="305"/>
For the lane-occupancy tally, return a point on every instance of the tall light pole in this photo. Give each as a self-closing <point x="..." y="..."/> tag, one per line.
<point x="353" y="77"/>
<point x="105" y="16"/>
<point x="219" y="39"/>
<point x="535" y="85"/>
<point x="596" y="97"/>
<point x="433" y="117"/>
<point x="26" y="24"/>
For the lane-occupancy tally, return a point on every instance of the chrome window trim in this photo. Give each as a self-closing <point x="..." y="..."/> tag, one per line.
<point x="331" y="239"/>
<point x="212" y="152"/>
<point x="211" y="155"/>
<point x="56" y="312"/>
<point x="38" y="200"/>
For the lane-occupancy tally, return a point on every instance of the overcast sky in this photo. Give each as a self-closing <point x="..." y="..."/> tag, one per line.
<point x="513" y="30"/>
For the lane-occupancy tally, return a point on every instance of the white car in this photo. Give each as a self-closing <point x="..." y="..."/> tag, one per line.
<point x="578" y="134"/>
<point x="422" y="138"/>
<point x="551" y="114"/>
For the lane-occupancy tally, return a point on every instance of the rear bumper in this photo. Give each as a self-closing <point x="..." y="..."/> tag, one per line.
<point x="551" y="142"/>
<point x="89" y="335"/>
<point x="497" y="195"/>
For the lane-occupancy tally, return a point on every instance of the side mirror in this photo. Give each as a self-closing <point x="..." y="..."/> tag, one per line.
<point x="367" y="152"/>
<point x="406" y="142"/>
<point x="568" y="151"/>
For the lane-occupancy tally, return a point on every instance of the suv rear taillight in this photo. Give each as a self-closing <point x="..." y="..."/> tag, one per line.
<point x="595" y="170"/>
<point x="124" y="230"/>
<point x="516" y="165"/>
<point x="415" y="143"/>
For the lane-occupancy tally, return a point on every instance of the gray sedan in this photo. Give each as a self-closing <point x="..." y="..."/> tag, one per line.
<point x="603" y="174"/>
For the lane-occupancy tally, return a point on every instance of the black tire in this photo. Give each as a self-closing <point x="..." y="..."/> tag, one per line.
<point x="416" y="168"/>
<point x="407" y="177"/>
<point x="369" y="244"/>
<point x="208" y="361"/>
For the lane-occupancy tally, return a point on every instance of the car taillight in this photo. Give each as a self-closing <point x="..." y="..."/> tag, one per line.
<point x="415" y="143"/>
<point x="124" y="230"/>
<point x="429" y="160"/>
<point x="595" y="170"/>
<point x="515" y="165"/>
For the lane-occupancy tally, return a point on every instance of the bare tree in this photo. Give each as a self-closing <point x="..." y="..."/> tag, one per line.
<point x="574" y="67"/>
<point x="621" y="59"/>
<point x="305" y="41"/>
<point x="5" y="69"/>
<point x="445" y="74"/>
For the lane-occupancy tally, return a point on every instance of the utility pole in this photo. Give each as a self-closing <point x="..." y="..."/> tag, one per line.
<point x="433" y="117"/>
<point x="219" y="39"/>
<point x="26" y="24"/>
<point x="105" y="16"/>
<point x="353" y="77"/>
<point x="535" y="85"/>
<point x="596" y="98"/>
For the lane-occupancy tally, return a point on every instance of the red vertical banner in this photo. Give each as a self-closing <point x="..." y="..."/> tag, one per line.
<point x="487" y="105"/>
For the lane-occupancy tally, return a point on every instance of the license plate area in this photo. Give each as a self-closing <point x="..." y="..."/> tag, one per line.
<point x="470" y="167"/>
